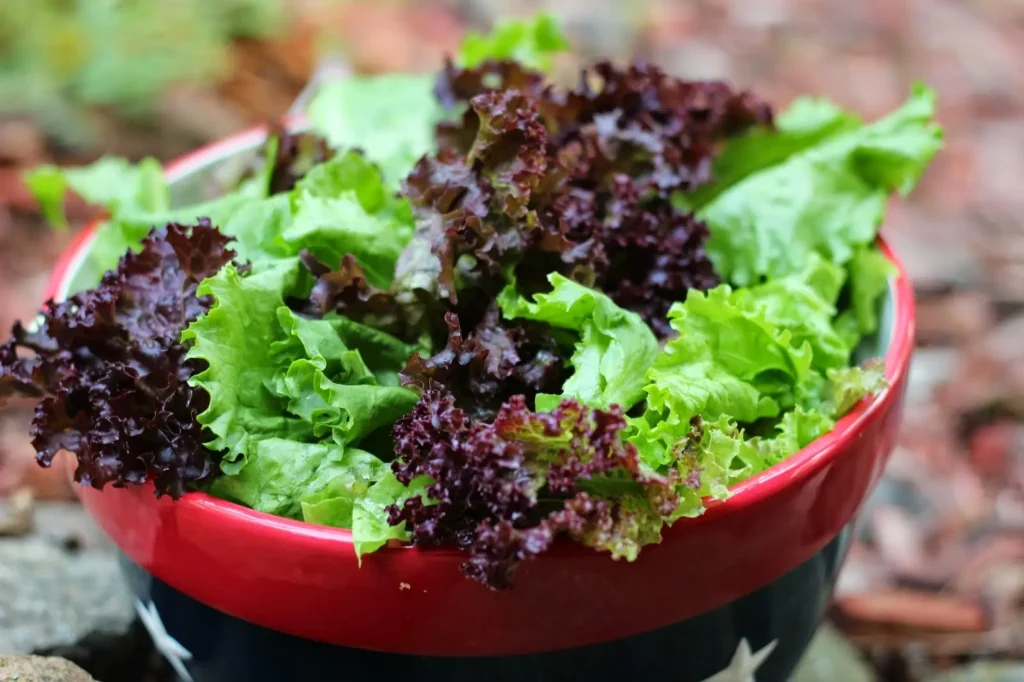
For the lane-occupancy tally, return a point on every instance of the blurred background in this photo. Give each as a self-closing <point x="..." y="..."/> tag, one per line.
<point x="934" y="589"/>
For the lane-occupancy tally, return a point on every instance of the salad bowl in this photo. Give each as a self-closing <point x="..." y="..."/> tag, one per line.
<point x="229" y="593"/>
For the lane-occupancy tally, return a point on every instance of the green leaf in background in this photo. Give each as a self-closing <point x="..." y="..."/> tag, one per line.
<point x="125" y="230"/>
<point x="615" y="346"/>
<point x="353" y="174"/>
<point x="110" y="183"/>
<point x="255" y="222"/>
<point x="113" y="182"/>
<point x="807" y="122"/>
<point x="828" y="197"/>
<point x="135" y="198"/>
<point x="390" y="118"/>
<point x="340" y="207"/>
<point x="531" y="43"/>
<point x="331" y="228"/>
<point x="49" y="186"/>
<point x="343" y="207"/>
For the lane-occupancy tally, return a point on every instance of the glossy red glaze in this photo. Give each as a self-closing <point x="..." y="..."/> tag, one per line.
<point x="304" y="579"/>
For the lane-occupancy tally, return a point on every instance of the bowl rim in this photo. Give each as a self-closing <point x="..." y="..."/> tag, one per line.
<point x="797" y="467"/>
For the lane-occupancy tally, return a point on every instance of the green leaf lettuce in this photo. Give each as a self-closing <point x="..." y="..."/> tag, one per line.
<point x="819" y="185"/>
<point x="614" y="349"/>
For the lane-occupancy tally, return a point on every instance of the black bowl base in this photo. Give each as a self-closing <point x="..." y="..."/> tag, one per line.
<point x="767" y="630"/>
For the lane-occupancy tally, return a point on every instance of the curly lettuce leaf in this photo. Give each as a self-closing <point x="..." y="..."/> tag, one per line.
<point x="751" y="355"/>
<point x="325" y="484"/>
<point x="615" y="346"/>
<point x="819" y="411"/>
<point x="848" y="386"/>
<point x="361" y="503"/>
<point x="271" y="373"/>
<point x="710" y="457"/>
<point x="634" y="525"/>
<point x="827" y="197"/>
<point x="291" y="397"/>
<point x="235" y="338"/>
<point x="804" y="304"/>
<point x="718" y="457"/>
<point x="239" y="214"/>
<point x="868" y="273"/>
<point x="328" y="385"/>
<point x="282" y="472"/>
<point x="341" y="206"/>
<point x="729" y="359"/>
<point x="531" y="43"/>
<point x="705" y="458"/>
<point x="796" y="430"/>
<point x="370" y="527"/>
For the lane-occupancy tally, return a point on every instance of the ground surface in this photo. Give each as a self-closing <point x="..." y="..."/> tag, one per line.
<point x="935" y="586"/>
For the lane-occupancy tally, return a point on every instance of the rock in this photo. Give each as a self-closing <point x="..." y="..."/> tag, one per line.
<point x="60" y="585"/>
<point x="16" y="513"/>
<point x="40" y="669"/>
<point x="61" y="595"/>
<point x="66" y="525"/>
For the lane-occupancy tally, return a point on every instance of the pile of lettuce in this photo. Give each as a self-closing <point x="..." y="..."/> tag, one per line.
<point x="481" y="310"/>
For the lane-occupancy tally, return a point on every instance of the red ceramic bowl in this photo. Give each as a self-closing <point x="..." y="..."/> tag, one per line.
<point x="304" y="580"/>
